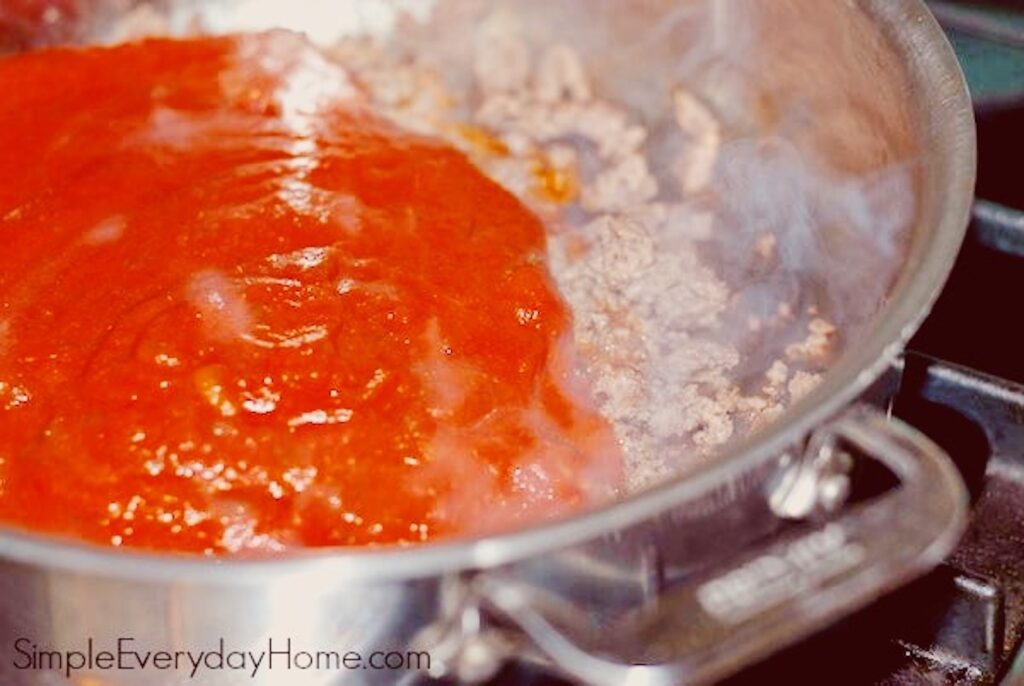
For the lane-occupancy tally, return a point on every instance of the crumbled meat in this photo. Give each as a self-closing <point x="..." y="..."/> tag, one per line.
<point x="651" y="315"/>
<point x="621" y="187"/>
<point x="818" y="345"/>
<point x="626" y="247"/>
<point x="776" y="377"/>
<point x="766" y="245"/>
<point x="703" y="138"/>
<point x="503" y="63"/>
<point x="561" y="76"/>
<point x="802" y="384"/>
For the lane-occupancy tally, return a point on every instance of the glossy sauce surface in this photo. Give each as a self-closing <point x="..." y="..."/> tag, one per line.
<point x="239" y="312"/>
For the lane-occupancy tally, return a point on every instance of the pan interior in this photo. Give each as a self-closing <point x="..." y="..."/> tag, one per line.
<point x="734" y="190"/>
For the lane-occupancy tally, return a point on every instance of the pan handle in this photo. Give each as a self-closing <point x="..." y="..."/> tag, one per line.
<point x="794" y="585"/>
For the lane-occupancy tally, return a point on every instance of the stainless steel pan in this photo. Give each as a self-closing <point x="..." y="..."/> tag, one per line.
<point x="684" y="583"/>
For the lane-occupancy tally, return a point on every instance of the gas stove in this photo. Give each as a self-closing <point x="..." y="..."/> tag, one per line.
<point x="961" y="381"/>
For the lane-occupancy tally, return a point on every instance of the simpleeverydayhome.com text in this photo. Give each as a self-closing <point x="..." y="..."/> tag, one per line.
<point x="281" y="655"/>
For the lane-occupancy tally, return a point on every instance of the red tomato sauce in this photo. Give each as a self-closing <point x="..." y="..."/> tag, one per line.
<point x="239" y="312"/>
